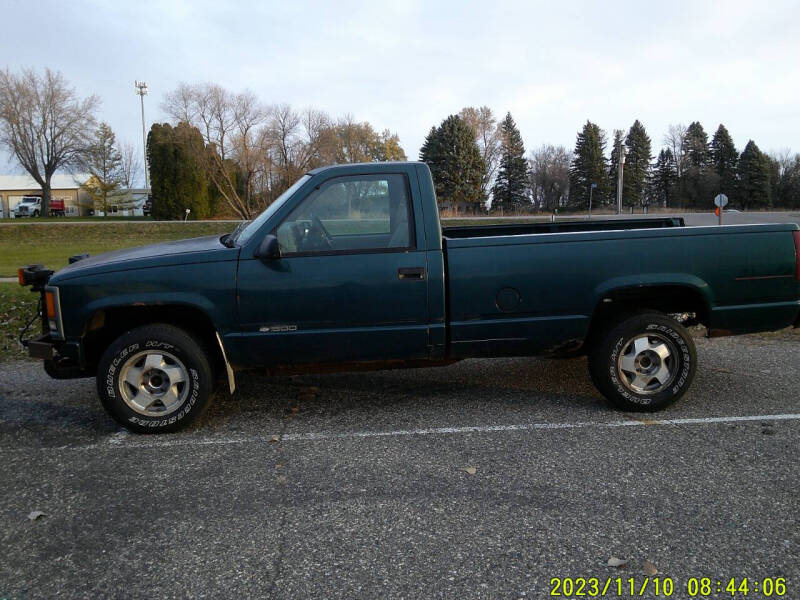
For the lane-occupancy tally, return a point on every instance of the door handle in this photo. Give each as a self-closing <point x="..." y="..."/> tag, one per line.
<point x="411" y="273"/>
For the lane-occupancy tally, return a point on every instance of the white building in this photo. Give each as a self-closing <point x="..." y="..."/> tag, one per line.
<point x="77" y="200"/>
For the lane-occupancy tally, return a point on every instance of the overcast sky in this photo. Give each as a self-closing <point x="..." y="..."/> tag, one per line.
<point x="407" y="64"/>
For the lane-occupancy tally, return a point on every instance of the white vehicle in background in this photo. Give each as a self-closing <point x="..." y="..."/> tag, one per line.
<point x="30" y="206"/>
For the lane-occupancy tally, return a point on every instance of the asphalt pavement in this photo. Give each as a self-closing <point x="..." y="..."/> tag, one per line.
<point x="485" y="479"/>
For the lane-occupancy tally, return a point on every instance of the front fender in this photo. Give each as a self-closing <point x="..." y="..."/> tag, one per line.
<point x="208" y="287"/>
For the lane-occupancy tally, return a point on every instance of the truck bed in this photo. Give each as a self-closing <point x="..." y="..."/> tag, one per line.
<point x="510" y="292"/>
<point x="461" y="232"/>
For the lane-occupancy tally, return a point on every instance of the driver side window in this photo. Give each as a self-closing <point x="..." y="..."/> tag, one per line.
<point x="346" y="214"/>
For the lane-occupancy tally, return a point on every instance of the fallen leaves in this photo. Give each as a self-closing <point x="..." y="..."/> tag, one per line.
<point x="36" y="514"/>
<point x="470" y="470"/>
<point x="617" y="562"/>
<point x="649" y="568"/>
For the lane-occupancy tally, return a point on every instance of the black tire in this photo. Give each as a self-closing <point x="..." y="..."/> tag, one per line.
<point x="176" y="405"/>
<point x="646" y="387"/>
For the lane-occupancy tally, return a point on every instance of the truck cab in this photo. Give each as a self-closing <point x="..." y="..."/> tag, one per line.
<point x="29" y="206"/>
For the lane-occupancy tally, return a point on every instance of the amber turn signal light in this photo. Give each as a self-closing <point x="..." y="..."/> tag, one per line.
<point x="50" y="301"/>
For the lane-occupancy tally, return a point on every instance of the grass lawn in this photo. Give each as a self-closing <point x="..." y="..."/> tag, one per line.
<point x="52" y="245"/>
<point x="16" y="308"/>
<point x="24" y="243"/>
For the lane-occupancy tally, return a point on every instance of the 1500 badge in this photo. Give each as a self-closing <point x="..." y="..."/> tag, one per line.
<point x="277" y="328"/>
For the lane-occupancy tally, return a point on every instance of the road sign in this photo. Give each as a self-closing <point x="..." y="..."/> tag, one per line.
<point x="721" y="200"/>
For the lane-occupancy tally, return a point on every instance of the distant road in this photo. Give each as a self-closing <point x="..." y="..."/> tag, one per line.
<point x="67" y="221"/>
<point x="693" y="219"/>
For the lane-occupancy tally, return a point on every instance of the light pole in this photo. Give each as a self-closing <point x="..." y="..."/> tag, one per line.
<point x="141" y="90"/>
<point x="591" y="189"/>
<point x="622" y="149"/>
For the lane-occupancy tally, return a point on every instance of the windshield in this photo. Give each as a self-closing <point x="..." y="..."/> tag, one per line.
<point x="247" y="232"/>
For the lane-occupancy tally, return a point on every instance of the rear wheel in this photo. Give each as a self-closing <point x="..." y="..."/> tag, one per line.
<point x="155" y="379"/>
<point x="643" y="363"/>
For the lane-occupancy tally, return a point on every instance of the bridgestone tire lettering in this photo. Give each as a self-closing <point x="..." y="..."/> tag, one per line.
<point x="608" y="344"/>
<point x="155" y="337"/>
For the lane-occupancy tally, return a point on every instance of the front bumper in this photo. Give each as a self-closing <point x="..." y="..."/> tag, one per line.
<point x="62" y="360"/>
<point x="42" y="347"/>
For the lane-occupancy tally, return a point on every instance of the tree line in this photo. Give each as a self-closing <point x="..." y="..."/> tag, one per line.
<point x="479" y="164"/>
<point x="227" y="153"/>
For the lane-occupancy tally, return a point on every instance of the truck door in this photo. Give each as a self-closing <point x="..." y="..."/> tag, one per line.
<point x="350" y="283"/>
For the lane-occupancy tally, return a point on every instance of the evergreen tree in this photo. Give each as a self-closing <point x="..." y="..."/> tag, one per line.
<point x="664" y="179"/>
<point x="613" y="164"/>
<point x="695" y="146"/>
<point x="177" y="179"/>
<point x="456" y="164"/>
<point x="103" y="162"/>
<point x="637" y="166"/>
<point x="754" y="178"/>
<point x="724" y="158"/>
<point x="588" y="166"/>
<point x="698" y="179"/>
<point x="509" y="193"/>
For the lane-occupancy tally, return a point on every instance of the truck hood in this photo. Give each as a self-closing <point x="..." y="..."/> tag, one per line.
<point x="194" y="250"/>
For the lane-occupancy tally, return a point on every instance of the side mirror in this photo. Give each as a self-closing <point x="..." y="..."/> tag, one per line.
<point x="269" y="248"/>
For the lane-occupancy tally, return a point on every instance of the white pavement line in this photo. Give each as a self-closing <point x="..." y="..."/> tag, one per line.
<point x="313" y="436"/>
<point x="123" y="440"/>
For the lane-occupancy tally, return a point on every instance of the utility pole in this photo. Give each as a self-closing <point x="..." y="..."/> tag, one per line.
<point x="591" y="189"/>
<point x="141" y="90"/>
<point x="619" y="177"/>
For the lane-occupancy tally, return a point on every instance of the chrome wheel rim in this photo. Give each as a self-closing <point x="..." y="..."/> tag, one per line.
<point x="154" y="383"/>
<point x="647" y="363"/>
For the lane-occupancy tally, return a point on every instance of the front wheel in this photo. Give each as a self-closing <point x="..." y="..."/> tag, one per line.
<point x="154" y="379"/>
<point x="643" y="363"/>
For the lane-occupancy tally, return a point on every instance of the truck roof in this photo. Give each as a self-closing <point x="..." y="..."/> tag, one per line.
<point x="365" y="166"/>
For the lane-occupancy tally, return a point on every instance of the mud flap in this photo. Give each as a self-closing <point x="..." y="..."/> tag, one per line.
<point x="228" y="368"/>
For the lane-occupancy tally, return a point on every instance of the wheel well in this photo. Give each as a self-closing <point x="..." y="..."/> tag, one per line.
<point x="107" y="325"/>
<point x="668" y="299"/>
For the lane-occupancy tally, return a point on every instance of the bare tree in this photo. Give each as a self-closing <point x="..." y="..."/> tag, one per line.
<point x="549" y="173"/>
<point x="131" y="165"/>
<point x="785" y="178"/>
<point x="44" y="124"/>
<point x="252" y="152"/>
<point x="487" y="135"/>
<point x="674" y="140"/>
<point x="230" y="125"/>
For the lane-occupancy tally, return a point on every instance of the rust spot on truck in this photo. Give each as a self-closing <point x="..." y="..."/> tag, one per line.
<point x="713" y="333"/>
<point x="373" y="365"/>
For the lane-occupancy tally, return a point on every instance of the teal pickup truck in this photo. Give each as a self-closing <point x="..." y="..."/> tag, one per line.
<point x="351" y="269"/>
